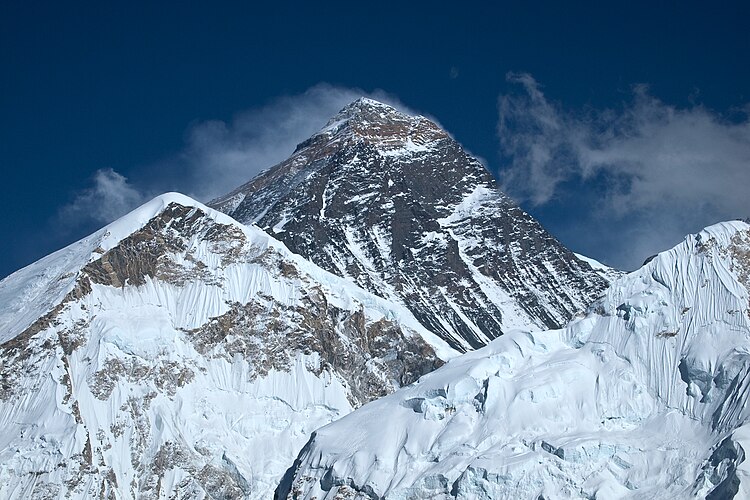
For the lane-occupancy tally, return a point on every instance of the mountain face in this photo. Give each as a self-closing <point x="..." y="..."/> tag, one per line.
<point x="394" y="204"/>
<point x="179" y="354"/>
<point x="644" y="397"/>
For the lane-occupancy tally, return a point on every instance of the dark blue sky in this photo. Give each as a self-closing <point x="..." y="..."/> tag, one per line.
<point x="117" y="84"/>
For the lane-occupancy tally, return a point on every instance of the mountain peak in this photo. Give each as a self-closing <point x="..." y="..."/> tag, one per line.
<point x="379" y="124"/>
<point x="364" y="108"/>
<point x="369" y="103"/>
<point x="114" y="347"/>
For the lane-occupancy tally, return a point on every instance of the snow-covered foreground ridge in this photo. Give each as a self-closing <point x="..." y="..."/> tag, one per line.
<point x="179" y="354"/>
<point x="644" y="397"/>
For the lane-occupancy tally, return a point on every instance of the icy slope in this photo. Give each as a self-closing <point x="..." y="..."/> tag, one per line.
<point x="393" y="203"/>
<point x="179" y="354"/>
<point x="644" y="397"/>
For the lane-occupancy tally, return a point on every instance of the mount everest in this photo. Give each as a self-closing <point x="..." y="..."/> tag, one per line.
<point x="310" y="345"/>
<point x="394" y="204"/>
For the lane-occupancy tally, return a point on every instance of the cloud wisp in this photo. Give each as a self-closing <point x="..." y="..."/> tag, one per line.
<point x="630" y="182"/>
<point x="652" y="171"/>
<point x="109" y="197"/>
<point x="218" y="155"/>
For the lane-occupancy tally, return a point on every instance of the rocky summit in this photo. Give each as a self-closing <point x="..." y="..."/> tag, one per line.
<point x="393" y="203"/>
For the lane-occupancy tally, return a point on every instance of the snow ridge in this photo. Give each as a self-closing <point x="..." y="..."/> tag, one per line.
<point x="177" y="352"/>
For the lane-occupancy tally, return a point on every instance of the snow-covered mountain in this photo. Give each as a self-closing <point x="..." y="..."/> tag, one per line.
<point x="646" y="396"/>
<point x="183" y="353"/>
<point x="394" y="204"/>
<point x="179" y="354"/>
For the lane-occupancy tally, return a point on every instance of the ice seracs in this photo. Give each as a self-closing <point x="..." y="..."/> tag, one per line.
<point x="644" y="397"/>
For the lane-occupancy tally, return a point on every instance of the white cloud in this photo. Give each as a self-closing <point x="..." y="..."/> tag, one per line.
<point x="660" y="171"/>
<point x="110" y="197"/>
<point x="218" y="156"/>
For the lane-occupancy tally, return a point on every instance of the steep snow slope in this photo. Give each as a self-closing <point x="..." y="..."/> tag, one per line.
<point x="606" y="272"/>
<point x="644" y="397"/>
<point x="179" y="354"/>
<point x="392" y="202"/>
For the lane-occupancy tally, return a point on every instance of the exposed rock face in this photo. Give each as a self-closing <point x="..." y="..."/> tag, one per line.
<point x="146" y="253"/>
<point x="396" y="205"/>
<point x="373" y="358"/>
<point x="187" y="357"/>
